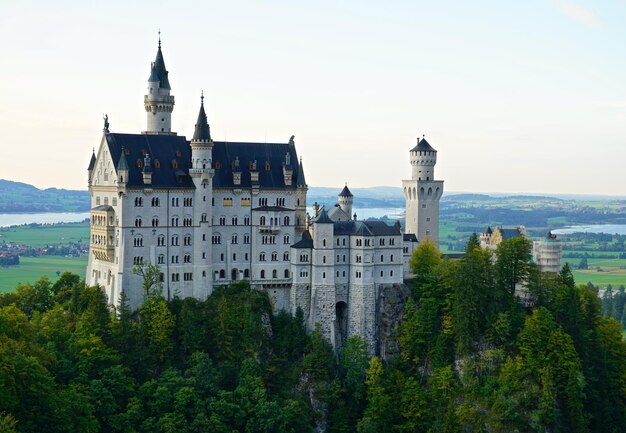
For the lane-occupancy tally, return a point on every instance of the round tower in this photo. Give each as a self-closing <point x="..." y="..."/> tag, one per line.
<point x="423" y="160"/>
<point x="158" y="102"/>
<point x="345" y="200"/>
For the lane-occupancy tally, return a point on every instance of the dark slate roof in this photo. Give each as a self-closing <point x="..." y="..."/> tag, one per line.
<point x="336" y="213"/>
<point x="510" y="233"/>
<point x="488" y="231"/>
<point x="272" y="209"/>
<point x="92" y="162"/>
<point x="322" y="218"/>
<point x="423" y="145"/>
<point x="365" y="228"/>
<point x="300" y="181"/>
<point x="409" y="237"/>
<point x="345" y="192"/>
<point x="158" y="71"/>
<point x="305" y="242"/>
<point x="202" y="131"/>
<point x="164" y="151"/>
<point x="225" y="153"/>
<point x="380" y="228"/>
<point x="104" y="207"/>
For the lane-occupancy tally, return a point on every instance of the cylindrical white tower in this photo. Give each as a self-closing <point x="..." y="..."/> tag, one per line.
<point x="423" y="160"/>
<point x="345" y="200"/>
<point x="158" y="102"/>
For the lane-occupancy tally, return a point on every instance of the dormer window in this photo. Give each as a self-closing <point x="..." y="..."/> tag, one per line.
<point x="139" y="163"/>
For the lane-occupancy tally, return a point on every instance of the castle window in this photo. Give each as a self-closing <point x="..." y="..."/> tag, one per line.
<point x="174" y="164"/>
<point x="155" y="222"/>
<point x="262" y="257"/>
<point x="138" y="241"/>
<point x="234" y="257"/>
<point x="427" y="232"/>
<point x="161" y="259"/>
<point x="216" y="239"/>
<point x="344" y="273"/>
<point x="286" y="273"/>
<point x="262" y="221"/>
<point x="246" y="239"/>
<point x="203" y="255"/>
<point x="126" y="151"/>
<point x="391" y="258"/>
<point x="344" y="258"/>
<point x="218" y="165"/>
<point x="175" y="201"/>
<point x="222" y="221"/>
<point x="222" y="273"/>
<point x="274" y="273"/>
<point x="187" y="258"/>
<point x="203" y="218"/>
<point x="324" y="277"/>
<point x="138" y="222"/>
<point x="157" y="163"/>
<point x="286" y="220"/>
<point x="285" y="256"/>
<point x="382" y="259"/>
<point x="428" y="219"/>
<point x="174" y="259"/>
<point x="245" y="256"/>
<point x="344" y="242"/>
<point x="267" y="166"/>
<point x="323" y="259"/>
<point x="187" y="222"/>
<point x="391" y="273"/>
<point x="324" y="242"/>
<point x="246" y="221"/>
<point x="392" y="241"/>
<point x="358" y="259"/>
<point x="174" y="240"/>
<point x="246" y="273"/>
<point x="187" y="240"/>
<point x="188" y="276"/>
<point x="139" y="164"/>
<point x="138" y="202"/>
<point x="262" y="273"/>
<point x="175" y="221"/>
<point x="359" y="242"/>
<point x="161" y="241"/>
<point x="274" y="257"/>
<point x="234" y="221"/>
<point x="286" y="239"/>
<point x="381" y="273"/>
<point x="155" y="202"/>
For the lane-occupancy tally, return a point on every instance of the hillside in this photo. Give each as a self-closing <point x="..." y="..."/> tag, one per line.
<point x="18" y="197"/>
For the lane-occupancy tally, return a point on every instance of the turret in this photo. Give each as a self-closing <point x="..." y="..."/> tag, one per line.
<point x="147" y="170"/>
<point x="158" y="102"/>
<point x="122" y="169"/>
<point x="201" y="146"/>
<point x="345" y="200"/>
<point x="423" y="160"/>
<point x="92" y="164"/>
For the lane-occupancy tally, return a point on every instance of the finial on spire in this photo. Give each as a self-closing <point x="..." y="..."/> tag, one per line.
<point x="202" y="97"/>
<point x="159" y="38"/>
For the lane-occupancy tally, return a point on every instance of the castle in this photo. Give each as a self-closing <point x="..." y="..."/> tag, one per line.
<point x="209" y="213"/>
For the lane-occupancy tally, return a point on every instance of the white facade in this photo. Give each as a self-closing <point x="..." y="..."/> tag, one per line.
<point x="209" y="213"/>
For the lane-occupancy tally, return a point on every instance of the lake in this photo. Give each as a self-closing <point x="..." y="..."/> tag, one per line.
<point x="619" y="229"/>
<point x="17" y="219"/>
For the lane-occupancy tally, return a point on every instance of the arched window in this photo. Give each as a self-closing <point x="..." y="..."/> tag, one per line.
<point x="138" y="222"/>
<point x="286" y="221"/>
<point x="262" y="222"/>
<point x="274" y="273"/>
<point x="262" y="273"/>
<point x="222" y="273"/>
<point x="246" y="273"/>
<point x="286" y="273"/>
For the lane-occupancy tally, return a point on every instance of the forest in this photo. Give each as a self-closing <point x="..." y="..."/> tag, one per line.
<point x="488" y="344"/>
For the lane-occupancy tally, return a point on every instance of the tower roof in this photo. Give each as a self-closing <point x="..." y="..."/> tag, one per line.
<point x="202" y="131"/>
<point x="300" y="181"/>
<point x="345" y="192"/>
<point x="122" y="164"/>
<point x="158" y="71"/>
<point x="423" y="145"/>
<point x="92" y="162"/>
<point x="323" y="218"/>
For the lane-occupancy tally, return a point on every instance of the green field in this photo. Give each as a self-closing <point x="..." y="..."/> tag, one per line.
<point x="31" y="268"/>
<point x="40" y="236"/>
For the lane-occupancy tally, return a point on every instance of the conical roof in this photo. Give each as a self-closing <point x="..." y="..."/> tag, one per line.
<point x="323" y="218"/>
<point x="345" y="192"/>
<point x="202" y="131"/>
<point x="92" y="162"/>
<point x="300" y="181"/>
<point x="158" y="71"/>
<point x="122" y="164"/>
<point x="423" y="145"/>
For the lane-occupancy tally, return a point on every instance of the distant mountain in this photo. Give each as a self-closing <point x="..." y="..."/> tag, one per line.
<point x="18" y="197"/>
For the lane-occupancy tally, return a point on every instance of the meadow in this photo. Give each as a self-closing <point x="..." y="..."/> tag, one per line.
<point x="48" y="234"/>
<point x="31" y="269"/>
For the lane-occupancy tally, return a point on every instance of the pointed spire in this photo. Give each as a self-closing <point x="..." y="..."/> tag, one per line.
<point x="158" y="71"/>
<point x="345" y="192"/>
<point x="300" y="181"/>
<point x="122" y="164"/>
<point x="92" y="162"/>
<point x="202" y="131"/>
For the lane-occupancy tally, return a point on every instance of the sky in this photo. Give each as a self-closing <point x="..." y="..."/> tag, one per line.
<point x="515" y="96"/>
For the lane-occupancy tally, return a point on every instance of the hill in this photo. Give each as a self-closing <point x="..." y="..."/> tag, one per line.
<point x="18" y="197"/>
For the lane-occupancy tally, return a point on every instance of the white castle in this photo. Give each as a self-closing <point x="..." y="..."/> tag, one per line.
<point x="209" y="213"/>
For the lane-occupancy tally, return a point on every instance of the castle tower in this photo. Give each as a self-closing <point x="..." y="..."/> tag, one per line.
<point x="158" y="102"/>
<point x="345" y="200"/>
<point x="301" y="190"/>
<point x="201" y="172"/>
<point x="422" y="193"/>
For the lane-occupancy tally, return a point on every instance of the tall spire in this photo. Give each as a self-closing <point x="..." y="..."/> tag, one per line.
<point x="202" y="131"/>
<point x="158" y="71"/>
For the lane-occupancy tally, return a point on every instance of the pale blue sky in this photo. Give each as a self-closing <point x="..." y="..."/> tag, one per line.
<point x="516" y="96"/>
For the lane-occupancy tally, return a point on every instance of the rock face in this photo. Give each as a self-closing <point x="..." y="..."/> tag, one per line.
<point x="389" y="313"/>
